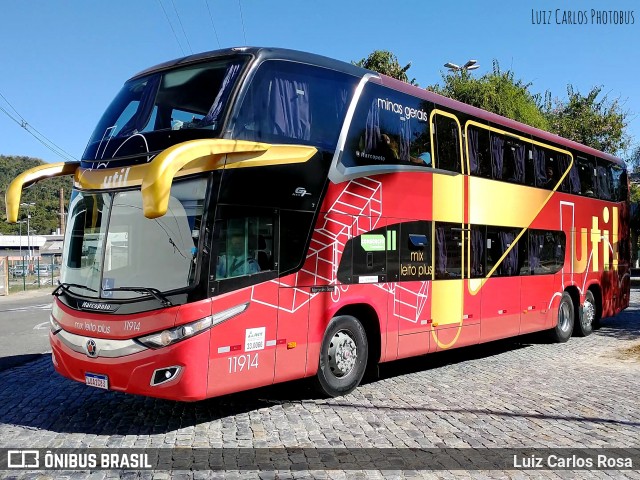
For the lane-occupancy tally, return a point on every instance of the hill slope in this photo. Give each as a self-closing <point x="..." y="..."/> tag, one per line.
<point x="45" y="195"/>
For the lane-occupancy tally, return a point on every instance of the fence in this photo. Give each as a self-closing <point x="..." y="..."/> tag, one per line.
<point x="32" y="273"/>
<point x="4" y="276"/>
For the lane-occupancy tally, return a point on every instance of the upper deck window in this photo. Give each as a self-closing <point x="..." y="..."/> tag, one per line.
<point x="388" y="127"/>
<point x="289" y="102"/>
<point x="188" y="97"/>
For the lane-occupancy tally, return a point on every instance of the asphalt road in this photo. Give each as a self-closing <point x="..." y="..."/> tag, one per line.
<point x="24" y="327"/>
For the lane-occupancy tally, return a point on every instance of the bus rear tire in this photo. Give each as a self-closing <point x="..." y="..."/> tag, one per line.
<point x="587" y="319"/>
<point x="343" y="356"/>
<point x="564" y="328"/>
<point x="597" y="309"/>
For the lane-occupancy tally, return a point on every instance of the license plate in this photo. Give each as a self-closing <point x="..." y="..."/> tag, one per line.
<point x="96" y="380"/>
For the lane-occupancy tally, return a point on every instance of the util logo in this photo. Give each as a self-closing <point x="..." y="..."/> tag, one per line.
<point x="597" y="240"/>
<point x="117" y="179"/>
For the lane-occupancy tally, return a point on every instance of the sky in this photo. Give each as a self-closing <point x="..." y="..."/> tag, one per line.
<point x="63" y="61"/>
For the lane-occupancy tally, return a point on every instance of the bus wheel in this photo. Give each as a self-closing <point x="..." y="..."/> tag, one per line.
<point x="590" y="297"/>
<point x="343" y="356"/>
<point x="563" y="329"/>
<point x="587" y="320"/>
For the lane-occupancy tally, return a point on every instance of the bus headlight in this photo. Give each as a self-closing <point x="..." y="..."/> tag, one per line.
<point x="173" y="335"/>
<point x="55" y="326"/>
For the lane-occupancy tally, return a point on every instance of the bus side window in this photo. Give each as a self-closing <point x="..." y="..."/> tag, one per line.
<point x="479" y="151"/>
<point x="507" y="158"/>
<point x="605" y="180"/>
<point x="551" y="170"/>
<point x="478" y="242"/>
<point x="447" y="146"/>
<point x="245" y="246"/>
<point x="415" y="248"/>
<point x="546" y="251"/>
<point x="364" y="258"/>
<point x="499" y="241"/>
<point x="586" y="175"/>
<point x="538" y="157"/>
<point x="563" y="165"/>
<point x="448" y="260"/>
<point x="573" y="178"/>
<point x="513" y="166"/>
<point x="620" y="187"/>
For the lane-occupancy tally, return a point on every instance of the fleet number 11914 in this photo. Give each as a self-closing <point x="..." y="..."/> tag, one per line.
<point x="240" y="363"/>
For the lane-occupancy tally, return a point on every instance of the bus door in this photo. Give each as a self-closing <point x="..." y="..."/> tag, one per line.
<point x="410" y="265"/>
<point x="448" y="232"/>
<point x="243" y="344"/>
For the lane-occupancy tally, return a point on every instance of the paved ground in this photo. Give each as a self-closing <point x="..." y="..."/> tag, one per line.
<point x="515" y="393"/>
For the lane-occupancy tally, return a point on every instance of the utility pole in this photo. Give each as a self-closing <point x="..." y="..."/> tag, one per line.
<point x="62" y="226"/>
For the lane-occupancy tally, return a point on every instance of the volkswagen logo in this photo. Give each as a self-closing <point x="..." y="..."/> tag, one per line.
<point x="92" y="348"/>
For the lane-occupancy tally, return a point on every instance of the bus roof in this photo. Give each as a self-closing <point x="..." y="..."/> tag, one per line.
<point x="265" y="53"/>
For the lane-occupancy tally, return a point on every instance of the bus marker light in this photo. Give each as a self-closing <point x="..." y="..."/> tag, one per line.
<point x="236" y="348"/>
<point x="291" y="345"/>
<point x="281" y="341"/>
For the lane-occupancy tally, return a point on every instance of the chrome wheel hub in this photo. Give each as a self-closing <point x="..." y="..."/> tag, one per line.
<point x="564" y="317"/>
<point x="588" y="313"/>
<point x="342" y="354"/>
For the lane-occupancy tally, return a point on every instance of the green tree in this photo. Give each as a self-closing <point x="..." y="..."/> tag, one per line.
<point x="386" y="63"/>
<point x="497" y="91"/>
<point x="45" y="195"/>
<point x="592" y="119"/>
<point x="633" y="162"/>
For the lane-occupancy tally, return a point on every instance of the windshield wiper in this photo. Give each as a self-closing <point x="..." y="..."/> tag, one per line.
<point x="65" y="287"/>
<point x="154" y="292"/>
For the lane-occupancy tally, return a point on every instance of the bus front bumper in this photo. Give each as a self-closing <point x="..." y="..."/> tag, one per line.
<point x="175" y="372"/>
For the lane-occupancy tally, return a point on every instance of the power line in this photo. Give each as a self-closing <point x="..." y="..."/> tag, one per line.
<point x="22" y="122"/>
<point x="171" y="25"/>
<point x="242" y="20"/>
<point x="182" y="26"/>
<point x="212" y="24"/>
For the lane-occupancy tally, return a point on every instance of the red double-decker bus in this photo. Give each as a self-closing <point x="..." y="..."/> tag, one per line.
<point x="251" y="216"/>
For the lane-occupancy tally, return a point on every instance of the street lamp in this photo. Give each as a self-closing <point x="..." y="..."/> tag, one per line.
<point x="470" y="65"/>
<point x="20" y="222"/>
<point x="28" y="229"/>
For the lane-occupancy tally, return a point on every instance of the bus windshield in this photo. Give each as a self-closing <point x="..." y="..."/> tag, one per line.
<point x="190" y="97"/>
<point x="110" y="244"/>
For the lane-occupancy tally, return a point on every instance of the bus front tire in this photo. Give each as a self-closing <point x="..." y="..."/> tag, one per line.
<point x="588" y="318"/>
<point x="343" y="356"/>
<point x="563" y="329"/>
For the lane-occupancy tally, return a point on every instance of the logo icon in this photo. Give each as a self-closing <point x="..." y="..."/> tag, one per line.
<point x="92" y="348"/>
<point x="23" y="459"/>
<point x="300" y="192"/>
